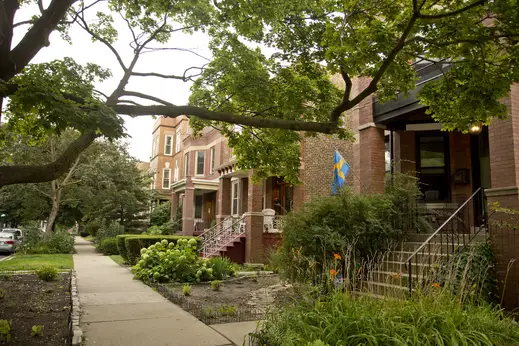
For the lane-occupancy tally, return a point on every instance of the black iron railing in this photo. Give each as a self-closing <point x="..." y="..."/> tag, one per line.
<point x="457" y="231"/>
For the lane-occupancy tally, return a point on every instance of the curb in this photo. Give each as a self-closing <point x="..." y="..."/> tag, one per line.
<point x="75" y="313"/>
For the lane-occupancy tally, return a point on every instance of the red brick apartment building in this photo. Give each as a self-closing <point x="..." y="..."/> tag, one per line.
<point x="242" y="220"/>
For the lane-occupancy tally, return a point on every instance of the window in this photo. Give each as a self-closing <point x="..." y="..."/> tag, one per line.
<point x="200" y="164"/>
<point x="213" y="151"/>
<point x="198" y="206"/>
<point x="387" y="154"/>
<point x="178" y="140"/>
<point x="175" y="172"/>
<point x="432" y="158"/>
<point x="166" y="177"/>
<point x="168" y="145"/>
<point x="235" y="196"/>
<point x="155" y="146"/>
<point x="186" y="164"/>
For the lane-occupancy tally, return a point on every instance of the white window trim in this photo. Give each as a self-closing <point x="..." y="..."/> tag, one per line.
<point x="166" y="144"/>
<point x="178" y="141"/>
<point x="186" y="165"/>
<point x="169" y="178"/>
<point x="196" y="164"/>
<point x="175" y="173"/>
<point x="212" y="154"/>
<point x="237" y="183"/>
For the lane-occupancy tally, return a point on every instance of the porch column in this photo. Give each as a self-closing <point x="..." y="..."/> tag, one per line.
<point x="254" y="225"/>
<point x="504" y="175"/>
<point x="405" y="152"/>
<point x="223" y="199"/>
<point x="369" y="161"/>
<point x="372" y="160"/>
<point x="174" y="205"/>
<point x="188" y="211"/>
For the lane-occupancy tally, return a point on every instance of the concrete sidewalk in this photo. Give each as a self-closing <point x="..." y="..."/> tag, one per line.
<point x="117" y="310"/>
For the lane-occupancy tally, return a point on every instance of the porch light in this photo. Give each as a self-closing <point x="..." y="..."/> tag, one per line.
<point x="475" y="129"/>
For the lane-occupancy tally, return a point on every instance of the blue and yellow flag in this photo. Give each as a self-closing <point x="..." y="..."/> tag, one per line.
<point x="340" y="171"/>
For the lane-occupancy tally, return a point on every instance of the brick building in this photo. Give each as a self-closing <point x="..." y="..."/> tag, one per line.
<point x="243" y="217"/>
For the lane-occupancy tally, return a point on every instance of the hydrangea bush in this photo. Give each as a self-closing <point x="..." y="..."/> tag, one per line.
<point x="180" y="262"/>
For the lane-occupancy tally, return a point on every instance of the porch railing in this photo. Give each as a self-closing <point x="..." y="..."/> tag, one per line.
<point x="231" y="229"/>
<point x="452" y="236"/>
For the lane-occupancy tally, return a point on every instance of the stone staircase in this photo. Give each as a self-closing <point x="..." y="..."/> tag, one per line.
<point x="391" y="276"/>
<point x="410" y="265"/>
<point x="217" y="240"/>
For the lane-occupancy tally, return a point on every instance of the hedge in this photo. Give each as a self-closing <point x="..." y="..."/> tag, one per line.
<point x="134" y="243"/>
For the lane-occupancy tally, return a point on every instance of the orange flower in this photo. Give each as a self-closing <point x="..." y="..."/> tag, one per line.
<point x="396" y="275"/>
<point x="333" y="272"/>
<point x="337" y="256"/>
<point x="436" y="285"/>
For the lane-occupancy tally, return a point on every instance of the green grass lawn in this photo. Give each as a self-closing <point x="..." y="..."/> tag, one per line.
<point x="31" y="262"/>
<point x="118" y="259"/>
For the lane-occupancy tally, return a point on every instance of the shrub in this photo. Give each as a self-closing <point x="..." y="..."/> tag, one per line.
<point x="50" y="243"/>
<point x="186" y="290"/>
<point x="215" y="285"/>
<point x="164" y="262"/>
<point x="60" y="242"/>
<point x="5" y="331"/>
<point x="222" y="267"/>
<point x="47" y="273"/>
<point x="108" y="247"/>
<point x="161" y="214"/>
<point x="93" y="226"/>
<point x="340" y="319"/>
<point x="135" y="243"/>
<point x="111" y="231"/>
<point x="121" y="247"/>
<point x="84" y="234"/>
<point x="37" y="330"/>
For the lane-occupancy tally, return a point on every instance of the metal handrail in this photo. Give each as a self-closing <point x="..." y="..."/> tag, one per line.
<point x="214" y="227"/>
<point x="443" y="225"/>
<point x="230" y="227"/>
<point x="455" y="216"/>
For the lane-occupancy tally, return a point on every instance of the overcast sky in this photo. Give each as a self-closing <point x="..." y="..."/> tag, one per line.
<point x="83" y="50"/>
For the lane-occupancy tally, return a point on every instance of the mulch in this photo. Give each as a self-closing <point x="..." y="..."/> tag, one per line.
<point x="26" y="301"/>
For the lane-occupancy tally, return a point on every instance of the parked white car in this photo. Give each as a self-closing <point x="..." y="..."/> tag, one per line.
<point x="10" y="239"/>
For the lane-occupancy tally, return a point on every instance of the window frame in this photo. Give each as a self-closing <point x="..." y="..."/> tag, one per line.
<point x="212" y="154"/>
<point x="186" y="164"/>
<point x="235" y="183"/>
<point x="197" y="162"/>
<point x="166" y="145"/>
<point x="164" y="176"/>
<point x="175" y="171"/>
<point x="178" y="140"/>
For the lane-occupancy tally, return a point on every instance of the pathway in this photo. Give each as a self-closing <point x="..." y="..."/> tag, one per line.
<point x="117" y="310"/>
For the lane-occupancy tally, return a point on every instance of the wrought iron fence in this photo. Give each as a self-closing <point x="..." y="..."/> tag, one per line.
<point x="210" y="314"/>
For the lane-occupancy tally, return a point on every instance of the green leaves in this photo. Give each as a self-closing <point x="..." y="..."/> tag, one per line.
<point x="57" y="95"/>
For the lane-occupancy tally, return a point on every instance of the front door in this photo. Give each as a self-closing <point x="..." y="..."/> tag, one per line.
<point x="209" y="212"/>
<point x="282" y="196"/>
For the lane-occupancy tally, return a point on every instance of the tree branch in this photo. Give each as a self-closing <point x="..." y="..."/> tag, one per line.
<point x="7" y="11"/>
<point x="147" y="97"/>
<point x="38" y="35"/>
<point x="343" y="106"/>
<point x="41" y="173"/>
<point x="372" y="87"/>
<point x="85" y="27"/>
<point x="153" y="74"/>
<point x="452" y="13"/>
<point x="202" y="113"/>
<point x="25" y="22"/>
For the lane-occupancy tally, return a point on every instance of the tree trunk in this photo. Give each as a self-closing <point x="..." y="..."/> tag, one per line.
<point x="56" y="199"/>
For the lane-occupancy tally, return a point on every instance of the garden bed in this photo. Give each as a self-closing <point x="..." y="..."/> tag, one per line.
<point x="28" y="301"/>
<point x="237" y="300"/>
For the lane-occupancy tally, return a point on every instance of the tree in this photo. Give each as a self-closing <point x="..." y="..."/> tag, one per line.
<point x="266" y="95"/>
<point x="161" y="214"/>
<point x="102" y="184"/>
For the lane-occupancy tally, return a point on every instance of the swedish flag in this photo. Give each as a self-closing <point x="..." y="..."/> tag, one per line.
<point x="340" y="171"/>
